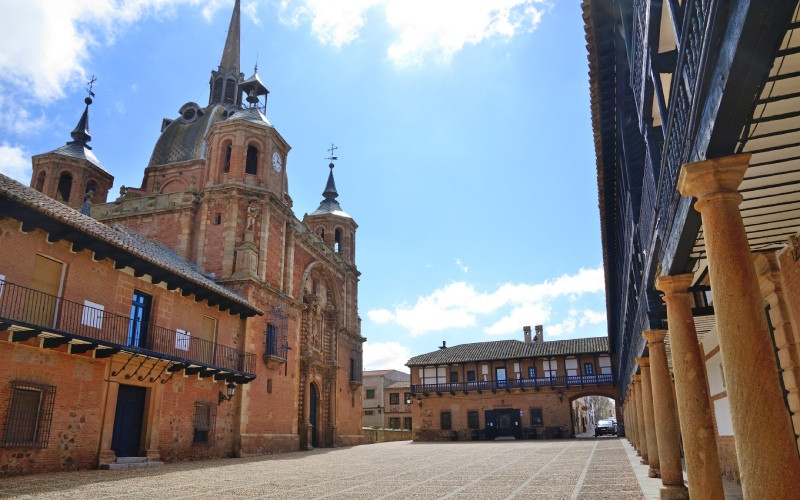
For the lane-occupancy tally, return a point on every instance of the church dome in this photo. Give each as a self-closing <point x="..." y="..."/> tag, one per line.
<point x="183" y="139"/>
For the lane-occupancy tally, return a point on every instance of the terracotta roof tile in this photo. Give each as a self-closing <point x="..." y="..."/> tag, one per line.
<point x="509" y="349"/>
<point x="117" y="236"/>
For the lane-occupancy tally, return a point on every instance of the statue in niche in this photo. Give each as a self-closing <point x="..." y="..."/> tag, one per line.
<point x="252" y="213"/>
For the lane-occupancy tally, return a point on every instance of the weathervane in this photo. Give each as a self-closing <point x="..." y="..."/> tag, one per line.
<point x="332" y="158"/>
<point x="90" y="85"/>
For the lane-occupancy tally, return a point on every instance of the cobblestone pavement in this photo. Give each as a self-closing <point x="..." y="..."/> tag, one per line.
<point x="577" y="468"/>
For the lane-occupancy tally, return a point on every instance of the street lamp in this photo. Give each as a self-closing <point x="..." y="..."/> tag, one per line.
<point x="231" y="389"/>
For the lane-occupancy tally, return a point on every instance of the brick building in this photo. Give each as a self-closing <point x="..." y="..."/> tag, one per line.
<point x="507" y="388"/>
<point x="695" y="119"/>
<point x="385" y="395"/>
<point x="206" y="252"/>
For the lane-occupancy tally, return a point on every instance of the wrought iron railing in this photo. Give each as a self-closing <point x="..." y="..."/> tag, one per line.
<point x="41" y="311"/>
<point x="518" y="383"/>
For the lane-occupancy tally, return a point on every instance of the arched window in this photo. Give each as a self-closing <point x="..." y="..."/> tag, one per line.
<point x="321" y="232"/>
<point x="226" y="160"/>
<point x="64" y="187"/>
<point x="216" y="91"/>
<point x="230" y="91"/>
<point x="251" y="167"/>
<point x="337" y="243"/>
<point x="39" y="186"/>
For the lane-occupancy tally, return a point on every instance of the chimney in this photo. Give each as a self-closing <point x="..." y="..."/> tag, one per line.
<point x="526" y="331"/>
<point x="444" y="345"/>
<point x="539" y="334"/>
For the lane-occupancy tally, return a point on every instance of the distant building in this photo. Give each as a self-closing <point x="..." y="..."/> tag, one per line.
<point x="384" y="394"/>
<point x="507" y="388"/>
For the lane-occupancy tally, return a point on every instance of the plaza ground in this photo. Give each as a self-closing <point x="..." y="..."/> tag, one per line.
<point x="575" y="468"/>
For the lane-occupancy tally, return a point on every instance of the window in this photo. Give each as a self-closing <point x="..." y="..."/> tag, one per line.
<point x="205" y="417"/>
<point x="139" y="319"/>
<point x="406" y="398"/>
<point x="251" y="166"/>
<point x="370" y="394"/>
<point x="30" y="412"/>
<point x="445" y="421"/>
<point x="454" y="377"/>
<point x="470" y="375"/>
<point x="472" y="420"/>
<point x="226" y="164"/>
<point x="394" y="398"/>
<point x="536" y="417"/>
<point x="64" y="187"/>
<point x="40" y="181"/>
<point x="272" y="340"/>
<point x="217" y="219"/>
<point x="269" y="386"/>
<point x="531" y="372"/>
<point x="588" y="369"/>
<point x="369" y="412"/>
<point x="230" y="91"/>
<point x="394" y="422"/>
<point x="407" y="423"/>
<point x="337" y="240"/>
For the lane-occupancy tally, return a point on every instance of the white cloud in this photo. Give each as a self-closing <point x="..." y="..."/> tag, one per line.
<point x="437" y="28"/>
<point x="461" y="266"/>
<point x="459" y="305"/>
<point x="385" y="356"/>
<point x="15" y="163"/>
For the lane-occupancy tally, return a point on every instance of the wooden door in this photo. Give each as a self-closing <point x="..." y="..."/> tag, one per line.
<point x="312" y="414"/>
<point x="127" y="436"/>
<point x="208" y="333"/>
<point x="42" y="300"/>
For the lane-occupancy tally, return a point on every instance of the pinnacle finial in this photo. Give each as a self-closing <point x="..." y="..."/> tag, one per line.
<point x="230" y="54"/>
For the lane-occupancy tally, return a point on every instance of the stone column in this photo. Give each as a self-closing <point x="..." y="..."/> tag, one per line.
<point x="631" y="420"/>
<point x="694" y="407"/>
<point x="669" y="447"/>
<point x="641" y="431"/>
<point x="765" y="448"/>
<point x="649" y="418"/>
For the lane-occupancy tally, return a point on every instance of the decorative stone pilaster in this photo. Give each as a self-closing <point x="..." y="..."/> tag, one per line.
<point x="765" y="448"/>
<point x="641" y="431"/>
<point x="784" y="335"/>
<point x="694" y="407"/>
<point x="667" y="433"/>
<point x="649" y="418"/>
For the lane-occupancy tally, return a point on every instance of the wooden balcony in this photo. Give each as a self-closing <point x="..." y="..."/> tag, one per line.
<point x="27" y="313"/>
<point x="510" y="384"/>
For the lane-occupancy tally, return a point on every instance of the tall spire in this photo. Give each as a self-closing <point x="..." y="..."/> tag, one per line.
<point x="230" y="54"/>
<point x="227" y="78"/>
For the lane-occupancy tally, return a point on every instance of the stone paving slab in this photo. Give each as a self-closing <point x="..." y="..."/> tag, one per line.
<point x="570" y="469"/>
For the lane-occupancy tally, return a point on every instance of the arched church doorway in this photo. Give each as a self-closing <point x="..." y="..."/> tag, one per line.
<point x="313" y="403"/>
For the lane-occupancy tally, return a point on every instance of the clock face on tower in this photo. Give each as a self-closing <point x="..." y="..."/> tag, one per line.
<point x="277" y="163"/>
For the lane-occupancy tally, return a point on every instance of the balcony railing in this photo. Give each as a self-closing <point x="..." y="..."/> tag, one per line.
<point x="519" y="383"/>
<point x="40" y="312"/>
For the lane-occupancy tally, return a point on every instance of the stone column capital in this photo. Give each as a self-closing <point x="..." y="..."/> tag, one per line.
<point x="672" y="285"/>
<point x="643" y="362"/>
<point x="718" y="176"/>
<point x="637" y="379"/>
<point x="654" y="336"/>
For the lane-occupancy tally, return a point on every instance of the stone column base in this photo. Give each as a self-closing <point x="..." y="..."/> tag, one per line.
<point x="674" y="492"/>
<point x="644" y="461"/>
<point x="153" y="456"/>
<point x="653" y="472"/>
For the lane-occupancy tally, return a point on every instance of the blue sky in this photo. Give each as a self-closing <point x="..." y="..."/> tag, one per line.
<point x="464" y="134"/>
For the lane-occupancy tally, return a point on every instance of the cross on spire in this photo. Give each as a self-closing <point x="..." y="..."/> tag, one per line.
<point x="332" y="158"/>
<point x="90" y="85"/>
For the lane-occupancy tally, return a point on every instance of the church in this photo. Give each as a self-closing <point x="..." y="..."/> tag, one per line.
<point x="192" y="317"/>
